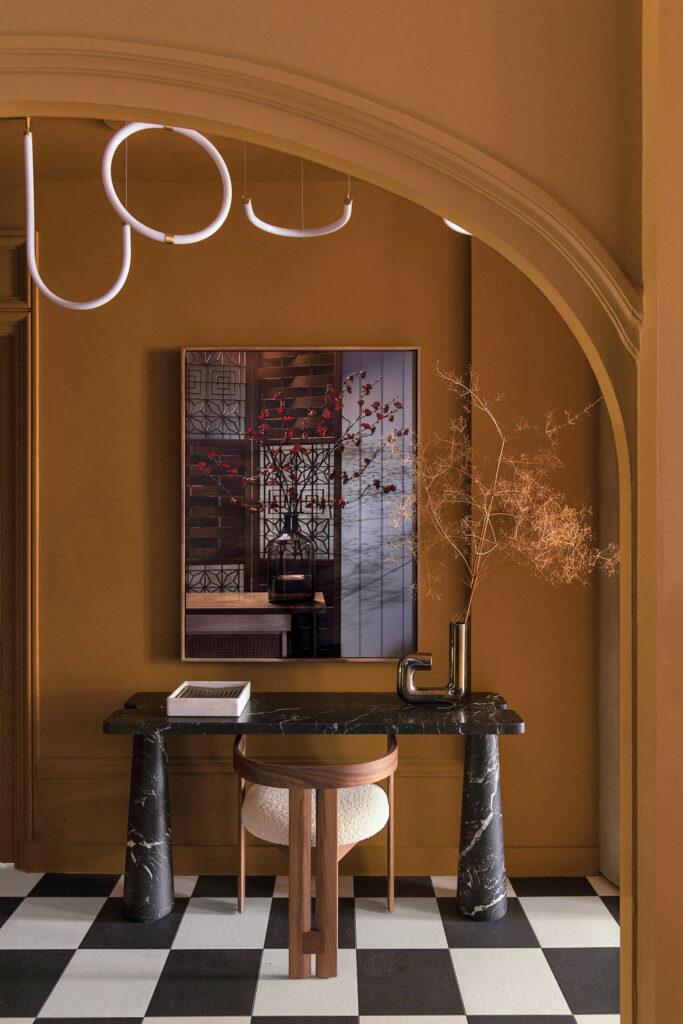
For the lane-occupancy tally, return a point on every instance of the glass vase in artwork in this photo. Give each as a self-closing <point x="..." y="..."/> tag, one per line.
<point x="291" y="565"/>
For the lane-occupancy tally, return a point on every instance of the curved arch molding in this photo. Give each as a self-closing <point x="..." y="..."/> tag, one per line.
<point x="318" y="119"/>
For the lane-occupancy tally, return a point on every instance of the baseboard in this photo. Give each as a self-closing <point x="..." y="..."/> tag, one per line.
<point x="367" y="859"/>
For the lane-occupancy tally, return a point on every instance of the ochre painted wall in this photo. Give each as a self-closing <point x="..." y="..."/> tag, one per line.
<point x="539" y="642"/>
<point x="109" y="520"/>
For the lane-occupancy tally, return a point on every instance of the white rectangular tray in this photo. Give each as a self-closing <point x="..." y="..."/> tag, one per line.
<point x="203" y="699"/>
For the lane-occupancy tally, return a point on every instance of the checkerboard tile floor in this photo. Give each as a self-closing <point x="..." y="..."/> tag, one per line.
<point x="67" y="955"/>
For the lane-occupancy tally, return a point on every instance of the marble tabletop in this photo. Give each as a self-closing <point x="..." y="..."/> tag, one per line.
<point x="480" y="714"/>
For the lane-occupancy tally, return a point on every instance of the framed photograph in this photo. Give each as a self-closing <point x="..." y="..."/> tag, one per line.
<point x="293" y="461"/>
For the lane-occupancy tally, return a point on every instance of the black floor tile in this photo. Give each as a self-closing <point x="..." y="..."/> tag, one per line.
<point x="302" y="1020"/>
<point x="589" y="978"/>
<point x="552" y="886"/>
<point x="513" y="930"/>
<point x="407" y="981"/>
<point x="277" y="934"/>
<point x="110" y="930"/>
<point x="612" y="904"/>
<point x="27" y="976"/>
<point x="74" y="885"/>
<point x="404" y="885"/>
<point x="8" y="904"/>
<point x="206" y="982"/>
<point x="226" y="885"/>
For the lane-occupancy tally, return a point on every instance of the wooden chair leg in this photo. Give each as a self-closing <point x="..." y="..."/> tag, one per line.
<point x="299" y="881"/>
<point x="241" y="844"/>
<point x="390" y="844"/>
<point x="327" y="882"/>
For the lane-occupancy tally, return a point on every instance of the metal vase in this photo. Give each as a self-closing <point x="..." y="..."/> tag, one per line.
<point x="459" y="659"/>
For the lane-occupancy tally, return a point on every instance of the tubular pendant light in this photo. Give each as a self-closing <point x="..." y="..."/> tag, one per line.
<point x="302" y="232"/>
<point x="31" y="241"/>
<point x="275" y="229"/>
<point x="143" y="229"/>
<point x="456" y="227"/>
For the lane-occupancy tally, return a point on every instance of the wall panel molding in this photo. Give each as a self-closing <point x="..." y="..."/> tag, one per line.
<point x="368" y="858"/>
<point x="116" y="767"/>
<point x="18" y="522"/>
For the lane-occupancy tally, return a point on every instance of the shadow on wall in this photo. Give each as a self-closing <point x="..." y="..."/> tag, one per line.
<point x="162" y="519"/>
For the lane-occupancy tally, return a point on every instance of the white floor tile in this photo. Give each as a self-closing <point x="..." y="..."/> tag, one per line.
<point x="16" y="883"/>
<point x="507" y="981"/>
<point x="569" y="921"/>
<point x="277" y="995"/>
<point x="17" y="1020"/>
<point x="447" y="885"/>
<point x="50" y="922"/>
<point x="415" y="923"/>
<point x="183" y="885"/>
<point x="589" y="1018"/>
<point x="106" y="983"/>
<point x="603" y="886"/>
<point x="212" y="922"/>
<point x="430" y="1019"/>
<point x="282" y="886"/>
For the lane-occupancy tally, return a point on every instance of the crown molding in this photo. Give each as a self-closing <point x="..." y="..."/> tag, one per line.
<point x="477" y="175"/>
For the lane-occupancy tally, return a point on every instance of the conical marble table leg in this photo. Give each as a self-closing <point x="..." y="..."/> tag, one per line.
<point x="481" y="863"/>
<point x="148" y="882"/>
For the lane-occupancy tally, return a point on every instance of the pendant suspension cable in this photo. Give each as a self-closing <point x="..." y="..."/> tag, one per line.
<point x="125" y="173"/>
<point x="31" y="241"/>
<point x="348" y="188"/>
<point x="302" y="193"/>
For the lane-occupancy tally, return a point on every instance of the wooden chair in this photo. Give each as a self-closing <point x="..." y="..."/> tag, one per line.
<point x="288" y="824"/>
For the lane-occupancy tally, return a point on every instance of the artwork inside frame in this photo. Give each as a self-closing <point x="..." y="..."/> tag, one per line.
<point x="292" y="460"/>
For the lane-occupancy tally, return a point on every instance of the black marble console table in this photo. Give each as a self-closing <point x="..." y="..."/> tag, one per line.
<point x="481" y="718"/>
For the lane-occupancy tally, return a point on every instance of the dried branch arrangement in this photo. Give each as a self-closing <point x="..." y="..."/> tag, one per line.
<point x="483" y="508"/>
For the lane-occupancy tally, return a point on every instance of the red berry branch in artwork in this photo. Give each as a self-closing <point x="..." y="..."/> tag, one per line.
<point x="295" y="459"/>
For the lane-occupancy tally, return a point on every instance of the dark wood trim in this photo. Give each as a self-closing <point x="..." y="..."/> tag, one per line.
<point x="299" y="881"/>
<point x="327" y="882"/>
<point x="241" y="845"/>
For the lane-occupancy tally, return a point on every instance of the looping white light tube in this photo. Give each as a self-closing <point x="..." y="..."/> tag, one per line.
<point x="161" y="236"/>
<point x="274" y="229"/>
<point x="31" y="244"/>
<point x="456" y="227"/>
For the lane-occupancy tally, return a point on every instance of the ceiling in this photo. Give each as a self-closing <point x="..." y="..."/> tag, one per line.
<point x="70" y="149"/>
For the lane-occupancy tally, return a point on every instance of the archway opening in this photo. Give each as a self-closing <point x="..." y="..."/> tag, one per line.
<point x="398" y="221"/>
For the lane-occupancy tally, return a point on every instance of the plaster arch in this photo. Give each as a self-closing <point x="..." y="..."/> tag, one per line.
<point x="50" y="76"/>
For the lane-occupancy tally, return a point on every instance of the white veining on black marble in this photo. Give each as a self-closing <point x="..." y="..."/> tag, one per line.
<point x="148" y="887"/>
<point x="326" y="713"/>
<point x="481" y="866"/>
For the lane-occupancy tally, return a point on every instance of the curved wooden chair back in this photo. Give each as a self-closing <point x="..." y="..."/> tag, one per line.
<point x="338" y="776"/>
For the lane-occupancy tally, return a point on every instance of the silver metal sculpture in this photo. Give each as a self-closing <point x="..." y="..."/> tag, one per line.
<point x="458" y="665"/>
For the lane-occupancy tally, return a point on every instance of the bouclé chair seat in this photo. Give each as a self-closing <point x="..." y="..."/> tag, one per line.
<point x="362" y="812"/>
